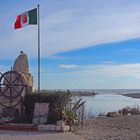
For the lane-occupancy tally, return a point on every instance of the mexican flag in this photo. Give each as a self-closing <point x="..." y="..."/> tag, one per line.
<point x="26" y="18"/>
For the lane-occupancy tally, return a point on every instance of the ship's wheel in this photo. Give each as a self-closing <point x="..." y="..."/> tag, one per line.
<point x="11" y="88"/>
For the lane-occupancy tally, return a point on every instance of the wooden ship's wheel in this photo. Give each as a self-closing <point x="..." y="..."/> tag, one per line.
<point x="11" y="88"/>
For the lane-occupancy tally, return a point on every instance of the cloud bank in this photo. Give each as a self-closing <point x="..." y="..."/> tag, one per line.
<point x="75" y="27"/>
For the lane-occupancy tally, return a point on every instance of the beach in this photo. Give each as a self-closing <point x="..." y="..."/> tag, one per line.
<point x="114" y="128"/>
<point x="117" y="128"/>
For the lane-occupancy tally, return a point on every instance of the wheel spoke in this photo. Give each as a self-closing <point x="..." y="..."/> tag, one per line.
<point x="3" y="84"/>
<point x="4" y="91"/>
<point x="17" y="85"/>
<point x="15" y="90"/>
<point x="11" y="87"/>
<point x="6" y="79"/>
<point x="15" y="79"/>
<point x="10" y="99"/>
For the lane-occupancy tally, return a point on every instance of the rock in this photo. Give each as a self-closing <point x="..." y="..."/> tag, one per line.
<point x="101" y="115"/>
<point x="21" y="63"/>
<point x="60" y="123"/>
<point x="135" y="111"/>
<point x="128" y="110"/>
<point x="112" y="114"/>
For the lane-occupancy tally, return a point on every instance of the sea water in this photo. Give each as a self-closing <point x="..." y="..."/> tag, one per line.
<point x="108" y="101"/>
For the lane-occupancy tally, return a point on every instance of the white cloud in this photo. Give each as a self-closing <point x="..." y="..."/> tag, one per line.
<point x="109" y="62"/>
<point x="3" y="69"/>
<point x="111" y="70"/>
<point x="102" y="24"/>
<point x="128" y="50"/>
<point x="102" y="70"/>
<point x="94" y="22"/>
<point x="66" y="66"/>
<point x="23" y="39"/>
<point x="96" y="76"/>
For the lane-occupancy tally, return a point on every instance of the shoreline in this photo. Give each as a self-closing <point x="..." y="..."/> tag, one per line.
<point x="132" y="95"/>
<point x="83" y="93"/>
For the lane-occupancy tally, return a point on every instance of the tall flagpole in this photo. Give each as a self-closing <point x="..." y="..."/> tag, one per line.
<point x="38" y="21"/>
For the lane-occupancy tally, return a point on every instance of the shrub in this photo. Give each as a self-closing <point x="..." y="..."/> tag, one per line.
<point x="70" y="113"/>
<point x="57" y="100"/>
<point x="128" y="110"/>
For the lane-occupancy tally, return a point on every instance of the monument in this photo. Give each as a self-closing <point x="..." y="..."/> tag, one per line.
<point x="21" y="66"/>
<point x="14" y="85"/>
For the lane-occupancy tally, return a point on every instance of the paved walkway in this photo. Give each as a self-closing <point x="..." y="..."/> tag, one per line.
<point x="9" y="135"/>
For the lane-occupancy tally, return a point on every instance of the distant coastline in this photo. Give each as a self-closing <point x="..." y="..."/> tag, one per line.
<point x="83" y="93"/>
<point x="132" y="95"/>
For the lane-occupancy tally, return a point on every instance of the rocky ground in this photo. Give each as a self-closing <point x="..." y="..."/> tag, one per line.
<point x="117" y="128"/>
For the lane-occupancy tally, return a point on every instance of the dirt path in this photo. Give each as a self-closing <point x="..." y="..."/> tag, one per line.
<point x="12" y="135"/>
<point x="117" y="128"/>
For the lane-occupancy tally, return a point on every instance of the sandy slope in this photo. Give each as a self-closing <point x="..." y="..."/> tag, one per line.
<point x="118" y="128"/>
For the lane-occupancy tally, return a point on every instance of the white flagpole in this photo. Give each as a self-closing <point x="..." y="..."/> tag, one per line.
<point x="38" y="21"/>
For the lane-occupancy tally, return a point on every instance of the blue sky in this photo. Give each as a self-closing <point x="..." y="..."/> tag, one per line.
<point x="84" y="43"/>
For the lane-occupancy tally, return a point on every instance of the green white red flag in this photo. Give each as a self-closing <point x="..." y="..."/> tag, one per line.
<point x="26" y="18"/>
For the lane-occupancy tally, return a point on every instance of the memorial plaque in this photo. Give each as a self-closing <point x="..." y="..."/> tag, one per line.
<point x="41" y="112"/>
